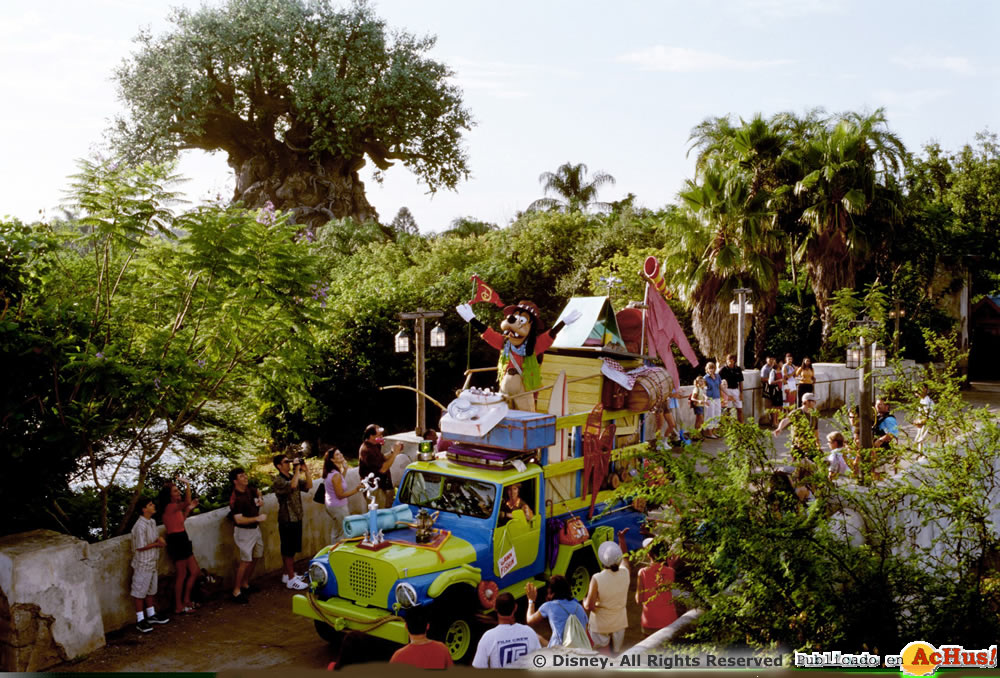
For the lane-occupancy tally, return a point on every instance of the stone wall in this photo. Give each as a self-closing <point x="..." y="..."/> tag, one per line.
<point x="49" y="609"/>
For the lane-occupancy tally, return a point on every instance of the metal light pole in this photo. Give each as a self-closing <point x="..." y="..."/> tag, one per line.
<point x="741" y="307"/>
<point x="419" y="316"/>
<point x="896" y="313"/>
<point x="865" y="356"/>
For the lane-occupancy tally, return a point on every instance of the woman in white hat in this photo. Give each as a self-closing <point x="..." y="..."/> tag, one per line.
<point x="608" y="596"/>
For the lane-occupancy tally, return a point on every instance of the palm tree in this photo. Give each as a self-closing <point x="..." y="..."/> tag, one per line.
<point x="575" y="193"/>
<point x="730" y="243"/>
<point x="850" y="198"/>
<point x="739" y="199"/>
<point x="466" y="227"/>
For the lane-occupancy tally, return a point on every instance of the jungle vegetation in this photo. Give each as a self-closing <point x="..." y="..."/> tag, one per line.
<point x="138" y="337"/>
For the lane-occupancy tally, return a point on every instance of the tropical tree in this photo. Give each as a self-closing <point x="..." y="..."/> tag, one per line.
<point x="574" y="192"/>
<point x="850" y="198"/>
<point x="736" y="199"/>
<point x="137" y="340"/>
<point x="298" y="94"/>
<point x="465" y="227"/>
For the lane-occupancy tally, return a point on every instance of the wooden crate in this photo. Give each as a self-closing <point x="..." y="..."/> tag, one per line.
<point x="583" y="395"/>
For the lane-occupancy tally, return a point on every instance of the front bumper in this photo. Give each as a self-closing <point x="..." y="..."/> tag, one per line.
<point x="345" y="616"/>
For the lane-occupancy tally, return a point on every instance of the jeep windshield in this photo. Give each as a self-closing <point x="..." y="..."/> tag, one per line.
<point x="440" y="492"/>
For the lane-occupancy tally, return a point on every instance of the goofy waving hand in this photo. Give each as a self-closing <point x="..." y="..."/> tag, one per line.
<point x="520" y="341"/>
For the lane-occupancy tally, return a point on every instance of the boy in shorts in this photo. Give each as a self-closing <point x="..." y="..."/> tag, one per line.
<point x="145" y="540"/>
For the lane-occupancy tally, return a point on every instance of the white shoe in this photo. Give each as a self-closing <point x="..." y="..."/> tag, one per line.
<point x="297" y="583"/>
<point x="284" y="579"/>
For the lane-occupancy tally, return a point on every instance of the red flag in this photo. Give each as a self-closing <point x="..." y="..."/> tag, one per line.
<point x="484" y="293"/>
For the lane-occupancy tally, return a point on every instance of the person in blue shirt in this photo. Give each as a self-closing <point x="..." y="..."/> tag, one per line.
<point x="886" y="428"/>
<point x="884" y="433"/>
<point x="557" y="609"/>
<point x="713" y="411"/>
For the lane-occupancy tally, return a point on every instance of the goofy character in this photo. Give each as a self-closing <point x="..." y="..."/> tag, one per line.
<point x="520" y="342"/>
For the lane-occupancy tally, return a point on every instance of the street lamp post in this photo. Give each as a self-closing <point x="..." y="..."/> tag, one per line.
<point x="741" y="308"/>
<point x="896" y="313"/>
<point x="402" y="346"/>
<point x="865" y="355"/>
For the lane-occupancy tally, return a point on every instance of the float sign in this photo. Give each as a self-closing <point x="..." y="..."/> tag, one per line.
<point x="507" y="562"/>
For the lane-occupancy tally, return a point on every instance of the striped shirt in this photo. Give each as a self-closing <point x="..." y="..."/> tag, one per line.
<point x="144" y="533"/>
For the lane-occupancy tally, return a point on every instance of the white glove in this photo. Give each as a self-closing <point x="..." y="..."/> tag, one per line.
<point x="465" y="310"/>
<point x="573" y="316"/>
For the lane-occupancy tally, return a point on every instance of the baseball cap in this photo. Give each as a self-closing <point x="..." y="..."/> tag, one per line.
<point x="609" y="554"/>
<point x="647" y="542"/>
<point x="809" y="396"/>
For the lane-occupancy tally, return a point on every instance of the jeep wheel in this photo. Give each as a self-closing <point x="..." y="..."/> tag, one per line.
<point x="579" y="572"/>
<point x="453" y="622"/>
<point x="327" y="632"/>
<point x="458" y="639"/>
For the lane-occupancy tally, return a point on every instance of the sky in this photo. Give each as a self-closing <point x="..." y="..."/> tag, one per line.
<point x="617" y="86"/>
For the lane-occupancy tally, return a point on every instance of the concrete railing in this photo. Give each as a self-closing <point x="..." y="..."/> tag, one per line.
<point x="836" y="385"/>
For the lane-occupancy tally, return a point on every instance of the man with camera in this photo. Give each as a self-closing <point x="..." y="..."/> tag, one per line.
<point x="374" y="461"/>
<point x="293" y="479"/>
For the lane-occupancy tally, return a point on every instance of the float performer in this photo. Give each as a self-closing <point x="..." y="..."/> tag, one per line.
<point x="520" y="342"/>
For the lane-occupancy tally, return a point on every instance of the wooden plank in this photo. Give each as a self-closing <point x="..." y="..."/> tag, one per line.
<point x="580" y="418"/>
<point x="574" y="367"/>
<point x="579" y="503"/>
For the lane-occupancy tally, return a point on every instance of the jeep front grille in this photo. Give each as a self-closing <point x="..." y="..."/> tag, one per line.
<point x="362" y="578"/>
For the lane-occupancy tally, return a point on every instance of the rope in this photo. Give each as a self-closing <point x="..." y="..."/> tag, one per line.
<point x="369" y="625"/>
<point x="410" y="388"/>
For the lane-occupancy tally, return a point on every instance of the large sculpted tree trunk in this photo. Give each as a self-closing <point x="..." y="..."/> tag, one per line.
<point x="315" y="192"/>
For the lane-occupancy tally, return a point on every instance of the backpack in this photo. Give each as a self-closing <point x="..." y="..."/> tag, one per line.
<point x="574" y="635"/>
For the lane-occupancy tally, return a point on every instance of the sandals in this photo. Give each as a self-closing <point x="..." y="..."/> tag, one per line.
<point x="187" y="609"/>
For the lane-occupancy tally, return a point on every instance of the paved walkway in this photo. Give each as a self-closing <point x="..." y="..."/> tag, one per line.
<point x="223" y="636"/>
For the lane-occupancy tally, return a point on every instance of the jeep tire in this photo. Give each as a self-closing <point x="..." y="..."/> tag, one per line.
<point x="453" y="622"/>
<point x="581" y="568"/>
<point x="328" y="633"/>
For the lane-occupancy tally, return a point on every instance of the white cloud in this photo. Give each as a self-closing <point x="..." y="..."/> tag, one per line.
<point x="954" y="64"/>
<point x="503" y="80"/>
<point x="685" y="60"/>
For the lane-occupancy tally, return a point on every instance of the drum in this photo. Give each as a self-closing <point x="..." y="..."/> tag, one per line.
<point x="652" y="388"/>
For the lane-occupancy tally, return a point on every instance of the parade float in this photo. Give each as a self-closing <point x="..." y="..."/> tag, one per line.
<point x="521" y="484"/>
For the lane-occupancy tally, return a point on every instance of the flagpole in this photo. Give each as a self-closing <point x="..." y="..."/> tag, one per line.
<point x="645" y="305"/>
<point x="468" y="346"/>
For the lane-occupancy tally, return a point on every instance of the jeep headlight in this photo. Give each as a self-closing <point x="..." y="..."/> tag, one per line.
<point x="318" y="575"/>
<point x="406" y="595"/>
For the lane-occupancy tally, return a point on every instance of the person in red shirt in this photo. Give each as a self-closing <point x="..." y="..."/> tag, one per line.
<point x="653" y="591"/>
<point x="175" y="509"/>
<point x="421" y="651"/>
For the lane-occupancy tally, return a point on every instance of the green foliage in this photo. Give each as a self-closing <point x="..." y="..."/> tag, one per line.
<point x="140" y="323"/>
<point x="859" y="566"/>
<point x="847" y="309"/>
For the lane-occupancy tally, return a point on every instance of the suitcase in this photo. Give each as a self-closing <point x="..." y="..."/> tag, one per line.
<point x="485" y="457"/>
<point x="519" y="432"/>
